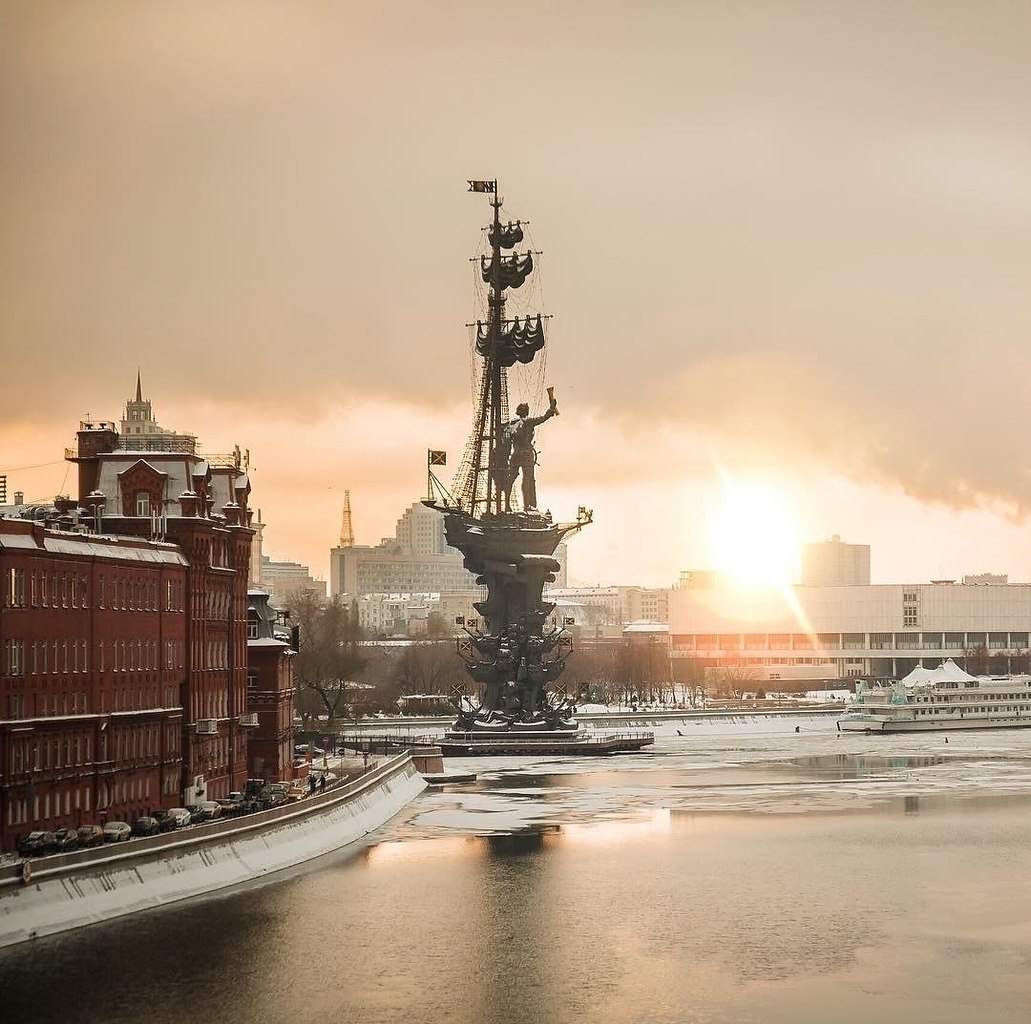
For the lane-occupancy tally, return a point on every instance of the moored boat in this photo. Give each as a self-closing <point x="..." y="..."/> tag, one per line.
<point x="944" y="698"/>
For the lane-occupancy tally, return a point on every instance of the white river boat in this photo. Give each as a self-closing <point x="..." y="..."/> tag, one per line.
<point x="945" y="698"/>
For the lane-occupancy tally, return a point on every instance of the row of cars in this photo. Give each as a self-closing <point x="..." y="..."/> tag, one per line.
<point x="64" y="840"/>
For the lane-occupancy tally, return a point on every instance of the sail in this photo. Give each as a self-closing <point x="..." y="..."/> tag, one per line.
<point x="507" y="235"/>
<point x="513" y="270"/>
<point x="518" y="341"/>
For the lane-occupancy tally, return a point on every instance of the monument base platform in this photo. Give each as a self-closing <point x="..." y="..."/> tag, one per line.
<point x="581" y="743"/>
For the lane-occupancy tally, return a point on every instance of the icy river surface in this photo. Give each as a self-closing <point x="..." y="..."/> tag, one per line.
<point x="738" y="871"/>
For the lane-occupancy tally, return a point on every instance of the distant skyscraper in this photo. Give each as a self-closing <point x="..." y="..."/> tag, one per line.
<point x="283" y="579"/>
<point x="416" y="560"/>
<point x="835" y="564"/>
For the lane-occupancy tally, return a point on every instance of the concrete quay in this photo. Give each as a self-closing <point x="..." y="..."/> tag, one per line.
<point x="58" y="893"/>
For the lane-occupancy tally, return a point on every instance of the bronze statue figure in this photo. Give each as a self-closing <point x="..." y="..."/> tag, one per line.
<point x="521" y="454"/>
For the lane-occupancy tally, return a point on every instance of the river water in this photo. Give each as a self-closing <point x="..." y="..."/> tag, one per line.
<point x="737" y="872"/>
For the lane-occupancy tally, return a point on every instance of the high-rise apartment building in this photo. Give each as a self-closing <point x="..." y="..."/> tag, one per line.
<point x="416" y="560"/>
<point x="834" y="563"/>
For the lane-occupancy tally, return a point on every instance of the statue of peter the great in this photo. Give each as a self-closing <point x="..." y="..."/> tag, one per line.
<point x="519" y="454"/>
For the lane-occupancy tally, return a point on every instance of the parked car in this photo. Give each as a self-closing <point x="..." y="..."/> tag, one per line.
<point x="197" y="813"/>
<point x="91" y="835"/>
<point x="273" y="795"/>
<point x="253" y="787"/>
<point x="297" y="791"/>
<point x="117" y="832"/>
<point x="66" y="839"/>
<point x="146" y="826"/>
<point x="179" y="817"/>
<point x="210" y="809"/>
<point x="245" y="803"/>
<point x="37" y="844"/>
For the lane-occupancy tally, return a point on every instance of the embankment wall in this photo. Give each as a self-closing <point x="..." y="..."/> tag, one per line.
<point x="72" y="891"/>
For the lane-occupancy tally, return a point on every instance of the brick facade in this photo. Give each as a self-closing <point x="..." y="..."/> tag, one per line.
<point x="93" y="642"/>
<point x="124" y="639"/>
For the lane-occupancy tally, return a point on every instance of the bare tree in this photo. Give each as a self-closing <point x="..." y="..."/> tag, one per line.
<point x="329" y="656"/>
<point x="729" y="680"/>
<point x="429" y="667"/>
<point x="643" y="668"/>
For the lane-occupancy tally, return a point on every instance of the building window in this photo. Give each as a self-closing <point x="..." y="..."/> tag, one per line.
<point x="15" y="588"/>
<point x="14" y="659"/>
<point x="142" y="503"/>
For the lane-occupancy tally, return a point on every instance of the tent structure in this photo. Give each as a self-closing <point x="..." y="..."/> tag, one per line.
<point x="947" y="672"/>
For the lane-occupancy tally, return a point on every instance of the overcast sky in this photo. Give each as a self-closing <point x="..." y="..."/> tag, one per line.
<point x="789" y="239"/>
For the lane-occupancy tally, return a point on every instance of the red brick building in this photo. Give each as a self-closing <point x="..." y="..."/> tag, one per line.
<point x="270" y="696"/>
<point x="93" y="641"/>
<point x="123" y="632"/>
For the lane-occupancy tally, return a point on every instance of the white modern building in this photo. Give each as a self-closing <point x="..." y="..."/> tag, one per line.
<point x="410" y="614"/>
<point x="600" y="606"/>
<point x="880" y="630"/>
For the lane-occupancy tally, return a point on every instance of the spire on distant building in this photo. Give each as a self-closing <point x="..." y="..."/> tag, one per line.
<point x="140" y="431"/>
<point x="139" y="411"/>
<point x="346" y="530"/>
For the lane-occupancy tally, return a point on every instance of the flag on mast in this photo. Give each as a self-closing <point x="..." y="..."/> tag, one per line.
<point x="483" y="186"/>
<point x="436" y="458"/>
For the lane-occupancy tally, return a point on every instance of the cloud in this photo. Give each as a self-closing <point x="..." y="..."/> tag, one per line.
<point x="787" y="237"/>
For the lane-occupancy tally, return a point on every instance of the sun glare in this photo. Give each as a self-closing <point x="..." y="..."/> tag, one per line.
<point x="754" y="536"/>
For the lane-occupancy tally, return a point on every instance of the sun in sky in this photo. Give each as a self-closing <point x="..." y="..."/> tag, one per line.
<point x="754" y="535"/>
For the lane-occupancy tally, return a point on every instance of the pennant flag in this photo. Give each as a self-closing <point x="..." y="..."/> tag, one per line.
<point x="437" y="458"/>
<point x="482" y="186"/>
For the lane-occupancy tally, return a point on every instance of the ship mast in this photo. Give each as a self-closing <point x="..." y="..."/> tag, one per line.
<point x="501" y="344"/>
<point x="498" y="379"/>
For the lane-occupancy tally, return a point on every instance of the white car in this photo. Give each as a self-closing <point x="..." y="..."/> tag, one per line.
<point x="117" y="832"/>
